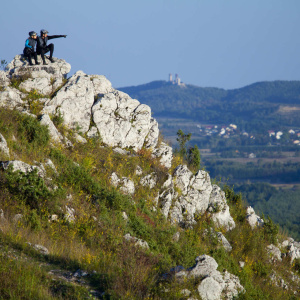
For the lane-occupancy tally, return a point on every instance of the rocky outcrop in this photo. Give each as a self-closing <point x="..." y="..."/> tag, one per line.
<point x="55" y="135"/>
<point x="74" y="102"/>
<point x="124" y="122"/>
<point x="252" y="218"/>
<point x="214" y="284"/>
<point x="291" y="249"/>
<point x="136" y="241"/>
<point x="165" y="154"/>
<point x="3" y="145"/>
<point x="125" y="185"/>
<point x="149" y="180"/>
<point x="18" y="165"/>
<point x="19" y="66"/>
<point x="11" y="98"/>
<point x="219" y="209"/>
<point x="197" y="195"/>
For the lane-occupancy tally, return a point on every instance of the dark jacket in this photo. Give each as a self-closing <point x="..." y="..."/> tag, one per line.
<point x="42" y="43"/>
<point x="30" y="43"/>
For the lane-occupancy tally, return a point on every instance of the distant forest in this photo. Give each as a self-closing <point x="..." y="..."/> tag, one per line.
<point x="256" y="106"/>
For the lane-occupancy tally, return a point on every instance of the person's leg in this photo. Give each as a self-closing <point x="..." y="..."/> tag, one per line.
<point x="51" y="49"/>
<point x="35" y="58"/>
<point x="27" y="54"/>
<point x="42" y="52"/>
<point x="30" y="58"/>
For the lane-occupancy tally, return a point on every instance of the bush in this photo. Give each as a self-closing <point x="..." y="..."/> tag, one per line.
<point x="35" y="133"/>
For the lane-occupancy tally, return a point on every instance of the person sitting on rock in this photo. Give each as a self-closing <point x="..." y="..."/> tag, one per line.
<point x="30" y="46"/>
<point x="42" y="46"/>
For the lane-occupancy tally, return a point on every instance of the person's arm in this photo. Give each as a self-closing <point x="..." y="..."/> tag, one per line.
<point x="27" y="44"/>
<point x="50" y="37"/>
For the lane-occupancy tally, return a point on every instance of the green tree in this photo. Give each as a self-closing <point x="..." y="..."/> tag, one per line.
<point x="182" y="139"/>
<point x="194" y="158"/>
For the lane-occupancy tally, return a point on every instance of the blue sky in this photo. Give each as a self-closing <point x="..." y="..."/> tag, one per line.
<point x="219" y="43"/>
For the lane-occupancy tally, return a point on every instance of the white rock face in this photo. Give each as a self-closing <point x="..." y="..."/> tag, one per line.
<point x="195" y="194"/>
<point x="54" y="133"/>
<point x="252" y="218"/>
<point x="292" y="248"/>
<point x="18" y="165"/>
<point x="219" y="209"/>
<point x="125" y="184"/>
<point x="274" y="252"/>
<point x="214" y="285"/>
<point x="10" y="98"/>
<point x="165" y="154"/>
<point x="74" y="102"/>
<point x="101" y="85"/>
<point x="224" y="241"/>
<point x="19" y="65"/>
<point x="69" y="214"/>
<point x="4" y="81"/>
<point x="3" y="145"/>
<point x="122" y="121"/>
<point x="149" y="180"/>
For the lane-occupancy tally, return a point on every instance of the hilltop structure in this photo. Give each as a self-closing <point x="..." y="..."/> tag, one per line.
<point x="177" y="80"/>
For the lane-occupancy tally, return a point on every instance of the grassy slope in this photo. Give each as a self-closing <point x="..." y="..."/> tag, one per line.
<point x="95" y="241"/>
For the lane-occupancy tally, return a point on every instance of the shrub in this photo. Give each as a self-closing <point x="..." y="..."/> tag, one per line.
<point x="34" y="132"/>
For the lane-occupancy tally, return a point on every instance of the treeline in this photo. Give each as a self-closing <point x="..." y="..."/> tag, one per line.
<point x="282" y="205"/>
<point x="253" y="108"/>
<point x="274" y="172"/>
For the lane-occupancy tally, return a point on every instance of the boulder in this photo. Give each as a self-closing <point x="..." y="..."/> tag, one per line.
<point x="165" y="154"/>
<point x="149" y="180"/>
<point x="252" y="218"/>
<point x="54" y="133"/>
<point x="125" y="184"/>
<point x="219" y="209"/>
<point x="122" y="121"/>
<point x="18" y="165"/>
<point x="74" y="102"/>
<point x="101" y="85"/>
<point x="213" y="285"/>
<point x="136" y="241"/>
<point x="11" y="98"/>
<point x="19" y="65"/>
<point x="4" y="81"/>
<point x="291" y="248"/>
<point x="195" y="196"/>
<point x="3" y="145"/>
<point x="69" y="214"/>
<point x="274" y="252"/>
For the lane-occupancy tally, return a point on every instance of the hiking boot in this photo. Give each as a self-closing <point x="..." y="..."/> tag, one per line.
<point x="37" y="63"/>
<point x="51" y="59"/>
<point x="44" y="63"/>
<point x="30" y="63"/>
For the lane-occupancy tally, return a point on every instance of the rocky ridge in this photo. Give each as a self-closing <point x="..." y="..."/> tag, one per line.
<point x="91" y="107"/>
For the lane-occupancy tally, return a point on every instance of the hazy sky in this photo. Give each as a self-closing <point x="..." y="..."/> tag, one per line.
<point x="220" y="43"/>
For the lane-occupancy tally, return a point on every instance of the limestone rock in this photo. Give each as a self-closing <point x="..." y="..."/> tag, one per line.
<point x="195" y="197"/>
<point x="219" y="209"/>
<point x="166" y="201"/>
<point x="125" y="184"/>
<point x="253" y="219"/>
<point x="48" y="163"/>
<point x="137" y="242"/>
<point x="54" y="133"/>
<point x="224" y="241"/>
<point x="19" y="65"/>
<point x="122" y="121"/>
<point x="292" y="249"/>
<point x="4" y="81"/>
<point x="101" y="85"/>
<point x="3" y="145"/>
<point x="93" y="132"/>
<point x="74" y="102"/>
<point x="41" y="84"/>
<point x="274" y="252"/>
<point x="43" y="250"/>
<point x="79" y="138"/>
<point x="149" y="180"/>
<point x="138" y="171"/>
<point x="18" y="165"/>
<point x="214" y="284"/>
<point x="121" y="151"/>
<point x="168" y="183"/>
<point x="165" y="154"/>
<point x="11" y="98"/>
<point x="69" y="214"/>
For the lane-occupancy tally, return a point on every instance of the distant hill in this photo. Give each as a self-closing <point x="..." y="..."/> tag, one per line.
<point x="258" y="103"/>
